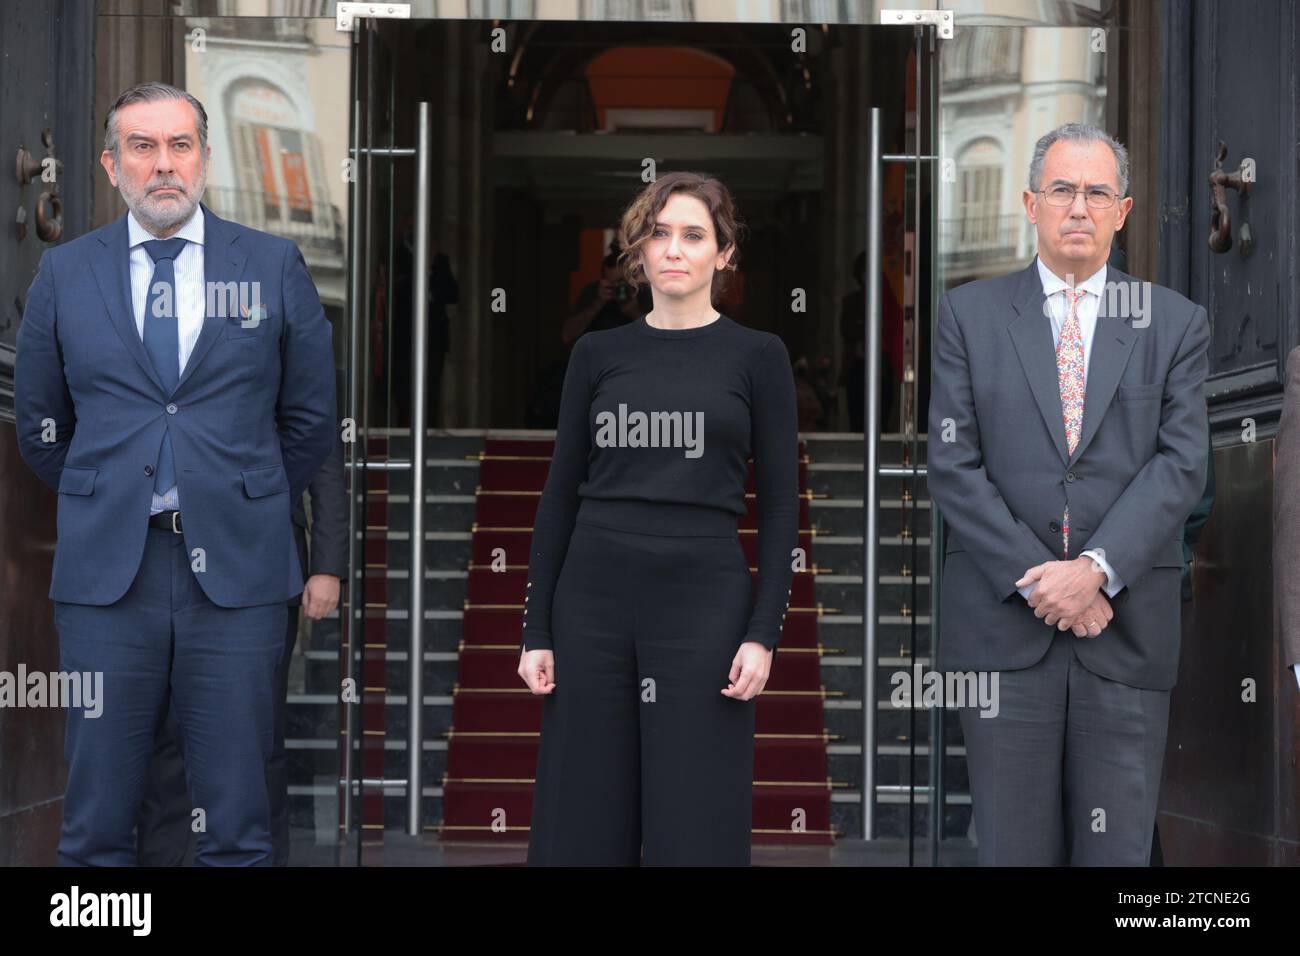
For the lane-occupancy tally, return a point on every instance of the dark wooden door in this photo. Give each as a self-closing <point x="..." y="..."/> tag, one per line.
<point x="46" y="84"/>
<point x="1231" y="782"/>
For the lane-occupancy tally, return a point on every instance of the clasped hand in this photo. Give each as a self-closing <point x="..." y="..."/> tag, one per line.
<point x="1068" y="594"/>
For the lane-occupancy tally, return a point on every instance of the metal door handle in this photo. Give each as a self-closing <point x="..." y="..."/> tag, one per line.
<point x="1220" y="218"/>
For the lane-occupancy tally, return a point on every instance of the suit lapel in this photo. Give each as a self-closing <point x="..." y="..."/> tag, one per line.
<point x="1031" y="333"/>
<point x="112" y="268"/>
<point x="1112" y="344"/>
<point x="223" y="262"/>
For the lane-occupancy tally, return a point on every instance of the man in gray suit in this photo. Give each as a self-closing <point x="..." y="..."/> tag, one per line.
<point x="1068" y="444"/>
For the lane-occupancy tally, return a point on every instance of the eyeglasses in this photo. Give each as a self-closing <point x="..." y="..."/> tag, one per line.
<point x="1097" y="197"/>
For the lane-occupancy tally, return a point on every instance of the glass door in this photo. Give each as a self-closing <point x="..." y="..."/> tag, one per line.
<point x="389" y="164"/>
<point x="530" y="173"/>
<point x="902" y="765"/>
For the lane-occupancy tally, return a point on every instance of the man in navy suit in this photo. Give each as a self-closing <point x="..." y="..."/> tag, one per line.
<point x="174" y="382"/>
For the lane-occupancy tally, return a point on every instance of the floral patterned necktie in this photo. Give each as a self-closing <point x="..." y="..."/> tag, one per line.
<point x="1069" y="373"/>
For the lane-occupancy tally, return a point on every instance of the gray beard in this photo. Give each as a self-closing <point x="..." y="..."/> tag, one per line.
<point x="155" y="218"/>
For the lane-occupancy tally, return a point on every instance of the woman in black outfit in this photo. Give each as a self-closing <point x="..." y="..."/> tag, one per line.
<point x="641" y="625"/>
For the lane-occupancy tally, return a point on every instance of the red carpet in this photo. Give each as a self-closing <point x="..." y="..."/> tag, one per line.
<point x="492" y="751"/>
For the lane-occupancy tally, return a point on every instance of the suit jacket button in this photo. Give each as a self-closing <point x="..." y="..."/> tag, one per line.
<point x="1054" y="526"/>
<point x="148" y="469"/>
<point x="1069" y="476"/>
<point x="171" y="409"/>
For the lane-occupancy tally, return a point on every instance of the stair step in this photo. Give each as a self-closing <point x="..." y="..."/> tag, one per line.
<point x="834" y="471"/>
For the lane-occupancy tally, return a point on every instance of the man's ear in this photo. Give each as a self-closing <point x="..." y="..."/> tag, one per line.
<point x="1125" y="207"/>
<point x="1031" y="211"/>
<point x="106" y="160"/>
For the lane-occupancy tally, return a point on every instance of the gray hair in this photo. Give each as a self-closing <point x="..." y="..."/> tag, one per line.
<point x="152" y="92"/>
<point x="1078" y="133"/>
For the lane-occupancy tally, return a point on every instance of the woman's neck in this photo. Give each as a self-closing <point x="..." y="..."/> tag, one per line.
<point x="660" y="319"/>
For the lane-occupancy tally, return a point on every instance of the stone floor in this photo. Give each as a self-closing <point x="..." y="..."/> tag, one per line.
<point x="429" y="850"/>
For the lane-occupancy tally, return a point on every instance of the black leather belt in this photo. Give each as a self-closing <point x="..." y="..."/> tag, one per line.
<point x="167" y="520"/>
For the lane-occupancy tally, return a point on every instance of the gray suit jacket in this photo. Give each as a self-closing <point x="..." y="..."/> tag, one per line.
<point x="1286" y="514"/>
<point x="1000" y="472"/>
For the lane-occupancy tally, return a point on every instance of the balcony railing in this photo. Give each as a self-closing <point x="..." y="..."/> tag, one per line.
<point x="979" y="236"/>
<point x="314" y="227"/>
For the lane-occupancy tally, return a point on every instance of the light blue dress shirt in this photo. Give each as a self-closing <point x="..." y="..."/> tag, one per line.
<point x="190" y="301"/>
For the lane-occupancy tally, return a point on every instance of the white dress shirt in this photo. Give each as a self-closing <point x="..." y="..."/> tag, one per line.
<point x="1054" y="288"/>
<point x="190" y="301"/>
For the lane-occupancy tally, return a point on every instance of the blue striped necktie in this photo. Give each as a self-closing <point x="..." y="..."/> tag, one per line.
<point x="162" y="340"/>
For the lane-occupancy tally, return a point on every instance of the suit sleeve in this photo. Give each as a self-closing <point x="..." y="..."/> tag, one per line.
<point x="329" y="516"/>
<point x="1286" y="514"/>
<point x="305" y="411"/>
<point x="1004" y="546"/>
<point x="1150" y="512"/>
<point x="40" y="389"/>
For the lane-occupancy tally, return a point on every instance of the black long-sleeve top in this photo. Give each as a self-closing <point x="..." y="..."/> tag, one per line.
<point x="733" y="381"/>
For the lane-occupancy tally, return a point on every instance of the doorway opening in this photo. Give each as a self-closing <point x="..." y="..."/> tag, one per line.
<point x="538" y="146"/>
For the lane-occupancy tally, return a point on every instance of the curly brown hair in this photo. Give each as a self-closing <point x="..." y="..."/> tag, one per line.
<point x="637" y="225"/>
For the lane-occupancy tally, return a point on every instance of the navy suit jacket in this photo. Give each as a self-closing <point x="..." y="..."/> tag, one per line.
<point x="252" y="416"/>
<point x="329" y="520"/>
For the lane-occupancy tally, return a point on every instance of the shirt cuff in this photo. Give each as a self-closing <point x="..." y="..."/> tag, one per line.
<point x="1113" y="584"/>
<point x="1297" y="673"/>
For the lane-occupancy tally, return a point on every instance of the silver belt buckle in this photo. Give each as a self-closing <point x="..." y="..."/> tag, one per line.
<point x="175" y="515"/>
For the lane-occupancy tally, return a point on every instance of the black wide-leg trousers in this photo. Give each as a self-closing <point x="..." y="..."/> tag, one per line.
<point x="639" y="747"/>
